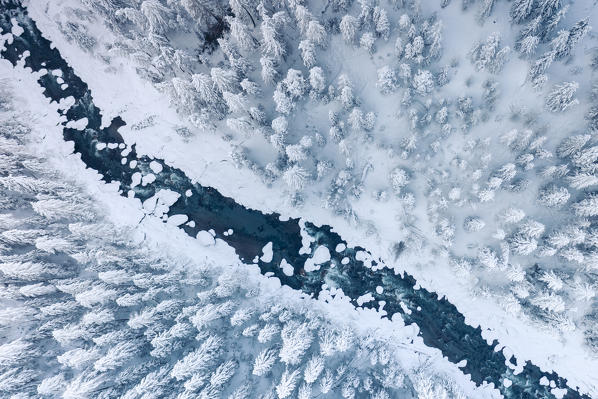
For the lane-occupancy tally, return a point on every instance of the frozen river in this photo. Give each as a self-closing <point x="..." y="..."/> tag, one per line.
<point x="351" y="269"/>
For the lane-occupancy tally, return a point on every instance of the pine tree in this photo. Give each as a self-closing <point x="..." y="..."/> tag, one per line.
<point x="486" y="9"/>
<point x="404" y="22"/>
<point x="200" y="358"/>
<point x="549" y="7"/>
<point x="537" y="71"/>
<point x="560" y="45"/>
<point x="584" y="291"/>
<point x="345" y="340"/>
<point x="587" y="206"/>
<point x="592" y="118"/>
<point x="367" y="42"/>
<point x="473" y="224"/>
<point x="553" y="196"/>
<point x="223" y="373"/>
<point x="236" y="103"/>
<point x="550" y="302"/>
<point x="326" y="382"/>
<point x="348" y="27"/>
<point x="522" y="244"/>
<point x="287" y="384"/>
<point x="382" y="23"/>
<point x="488" y="55"/>
<point x="387" y="80"/>
<point x="433" y="39"/>
<point x="269" y="72"/>
<point x="549" y="26"/>
<point x="295" y="84"/>
<point x="264" y="362"/>
<point x="157" y="15"/>
<point x="313" y="369"/>
<point x="304" y="391"/>
<point x="398" y="179"/>
<point x="571" y="145"/>
<point x="561" y="97"/>
<point x="579" y="30"/>
<point x="280" y="125"/>
<point x="308" y="53"/>
<point x="241" y="34"/>
<point x="582" y="180"/>
<point x="225" y="79"/>
<point x="271" y="44"/>
<point x="317" y="79"/>
<point x="84" y="386"/>
<point x="316" y="33"/>
<point x="284" y="102"/>
<point x="241" y="11"/>
<point x="116" y="356"/>
<point x="528" y="45"/>
<point x="295" y="177"/>
<point x="52" y="386"/>
<point x="267" y="333"/>
<point x="296" y="339"/>
<point x="488" y="258"/>
<point x="303" y="17"/>
<point x="553" y="281"/>
<point x="521" y="10"/>
<point x="204" y="12"/>
<point x="423" y="82"/>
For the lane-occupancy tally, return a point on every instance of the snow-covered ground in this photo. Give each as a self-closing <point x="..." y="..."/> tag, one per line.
<point x="170" y="242"/>
<point x="118" y="90"/>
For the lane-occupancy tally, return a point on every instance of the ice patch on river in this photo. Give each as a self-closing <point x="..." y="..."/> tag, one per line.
<point x="287" y="268"/>
<point x="267" y="253"/>
<point x="320" y="256"/>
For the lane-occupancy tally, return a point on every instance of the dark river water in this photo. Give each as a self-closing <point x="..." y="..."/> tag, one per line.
<point x="440" y="323"/>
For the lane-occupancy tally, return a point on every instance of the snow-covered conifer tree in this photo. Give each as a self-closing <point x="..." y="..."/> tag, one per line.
<point x="295" y="177"/>
<point x="316" y="33"/>
<point x="269" y="72"/>
<point x="157" y="15"/>
<point x="287" y="384"/>
<point x="317" y="80"/>
<point x="423" y="82"/>
<point x="308" y="53"/>
<point x="387" y="80"/>
<point x="382" y="23"/>
<point x="296" y="338"/>
<point x="313" y="369"/>
<point x="241" y="34"/>
<point x="367" y="42"/>
<point x="348" y="27"/>
<point x="521" y="10"/>
<point x="553" y="196"/>
<point x="272" y="46"/>
<point x="561" y="97"/>
<point x="587" y="206"/>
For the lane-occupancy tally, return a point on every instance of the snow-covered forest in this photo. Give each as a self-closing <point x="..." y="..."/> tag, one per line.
<point x="90" y="310"/>
<point x="434" y="138"/>
<point x="455" y="139"/>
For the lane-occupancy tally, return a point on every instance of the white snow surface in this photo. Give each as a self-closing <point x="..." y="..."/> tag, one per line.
<point x="213" y="168"/>
<point x="287" y="268"/>
<point x="267" y="253"/>
<point x="172" y="241"/>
